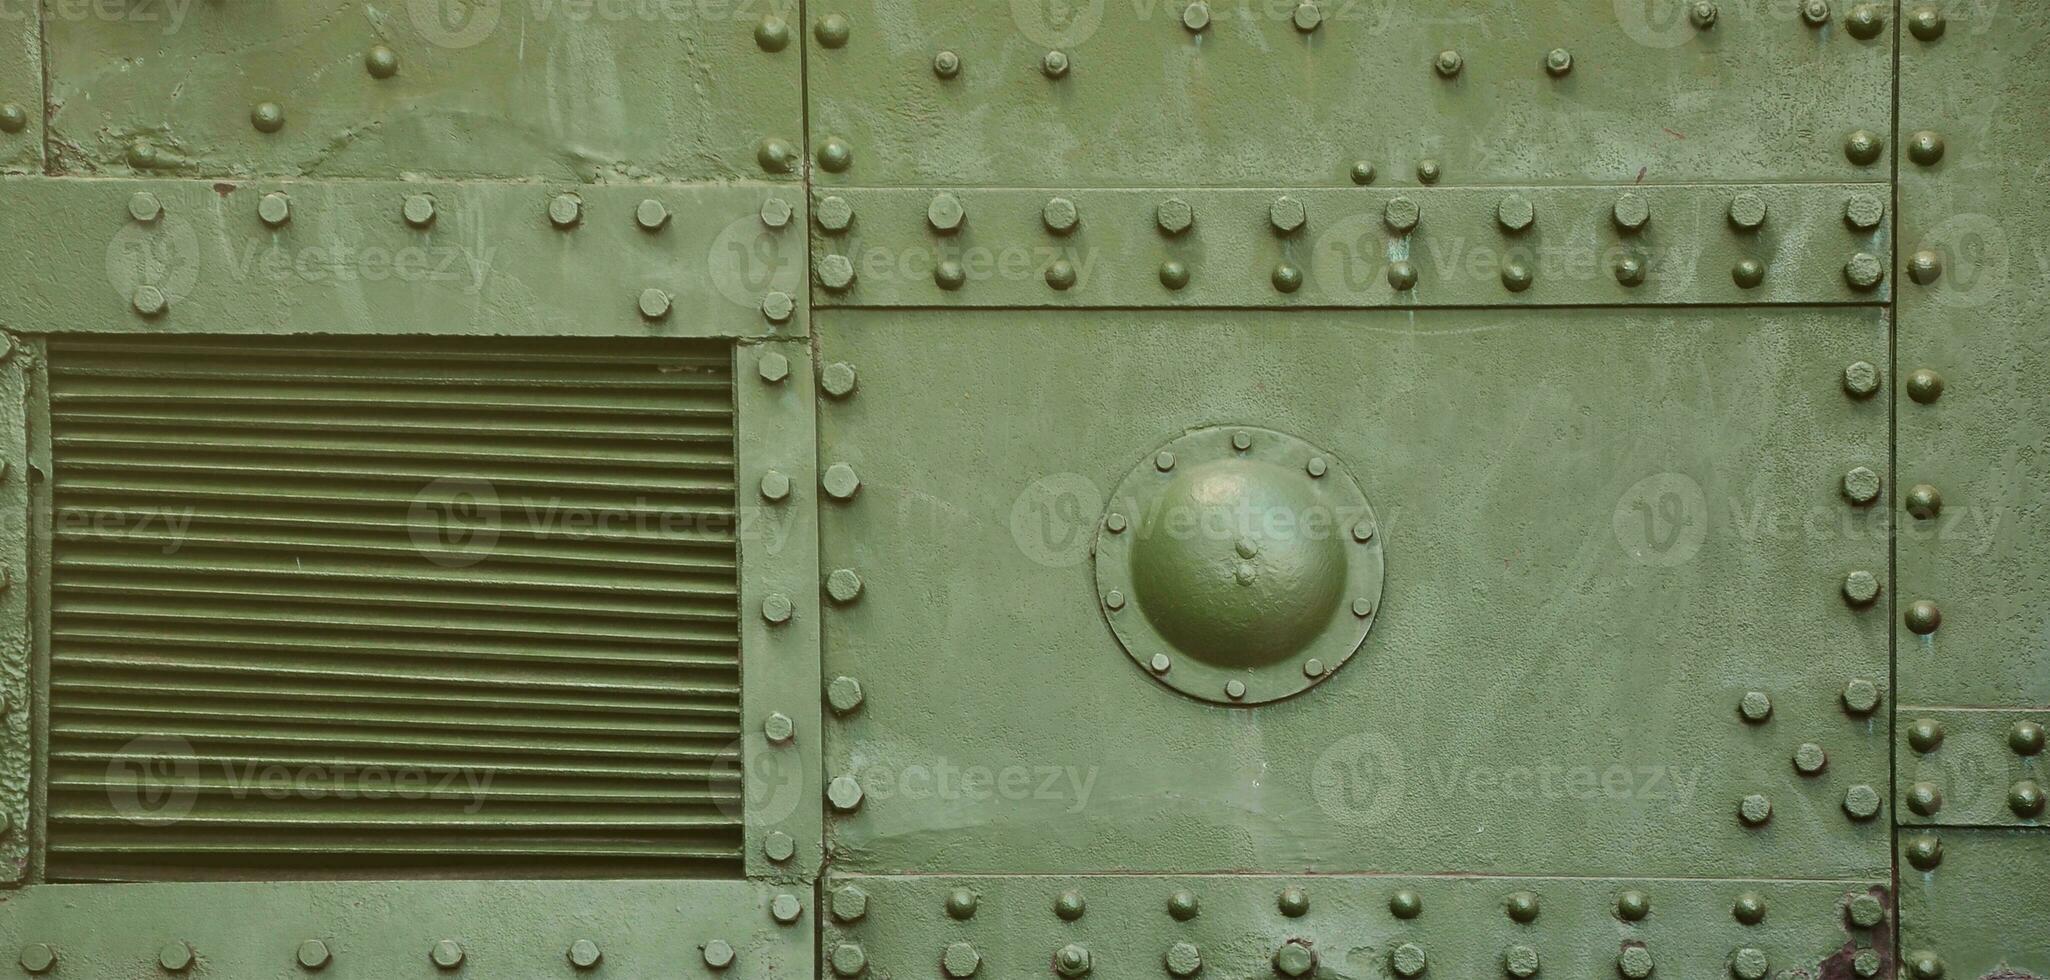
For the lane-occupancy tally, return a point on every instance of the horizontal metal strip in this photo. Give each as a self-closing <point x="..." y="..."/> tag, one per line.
<point x="698" y="427"/>
<point x="407" y="821"/>
<point x="283" y="618"/>
<point x="453" y="848"/>
<point x="401" y="373"/>
<point x="77" y="711"/>
<point x="126" y="490"/>
<point x="299" y="648"/>
<point x="80" y="682"/>
<point x="591" y="452"/>
<point x="574" y="599"/>
<point x="721" y="770"/>
<point x="75" y="793"/>
<point x="631" y="479"/>
<point x="707" y="544"/>
<point x="708" y="356"/>
<point x="64" y="401"/>
<point x="709" y="746"/>
<point x="709" y="576"/>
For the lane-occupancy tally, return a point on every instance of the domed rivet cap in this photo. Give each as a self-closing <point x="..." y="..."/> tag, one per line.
<point x="1861" y="379"/>
<point x="1069" y="906"/>
<point x="1515" y="213"/>
<point x="1755" y="706"/>
<point x="651" y="214"/>
<point x="945" y="213"/>
<point x="1633" y="906"/>
<point x="1313" y="668"/>
<point x="1362" y="173"/>
<point x="565" y="211"/>
<point x="844" y="792"/>
<point x="38" y="958"/>
<point x="381" y="62"/>
<point x="850" y="903"/>
<point x="149" y="300"/>
<point x="778" y="307"/>
<point x="313" y="954"/>
<point x="1060" y="274"/>
<point x="1558" y="62"/>
<point x="961" y="904"/>
<point x="1401" y="214"/>
<point x="949" y="274"/>
<point x="1864" y="272"/>
<point x="1235" y="689"/>
<point x="418" y="210"/>
<point x="843" y="586"/>
<point x="776" y="608"/>
<point x="835" y="155"/>
<point x="836" y="272"/>
<point x="1183" y="960"/>
<point x="772" y="33"/>
<point x="786" y="908"/>
<point x="2025" y="738"/>
<point x="1925" y="965"/>
<point x="1864" y="21"/>
<point x="1521" y="907"/>
<point x="267" y="117"/>
<point x="1196" y="16"/>
<point x="833" y="214"/>
<point x="1160" y="663"/>
<point x="844" y="695"/>
<point x="1863" y="147"/>
<point x="1925" y="148"/>
<point x="2025" y="799"/>
<point x="1516" y="276"/>
<point x="1287" y="215"/>
<point x="1863" y="212"/>
<point x="1924" y="851"/>
<point x="175" y="957"/>
<point x="1294" y="959"/>
<point x="142" y="156"/>
<point x="1924" y="798"/>
<point x="1748" y="211"/>
<point x="1060" y="216"/>
<point x="775" y="485"/>
<point x="1293" y="902"/>
<point x="1925" y="734"/>
<point x="773" y="367"/>
<point x="1287" y="278"/>
<point x="1926" y="23"/>
<point x="1174" y="216"/>
<point x="1925" y="266"/>
<point x="1749" y="908"/>
<point x="1861" y="485"/>
<point x="144" y="207"/>
<point x="1308" y="15"/>
<point x="1183" y="906"/>
<point x="832" y="30"/>
<point x="1071" y="960"/>
<point x="718" y="954"/>
<point x="1173" y="274"/>
<point x="1407" y="960"/>
<point x="1861" y="802"/>
<point x="1755" y="810"/>
<point x="1815" y="12"/>
<point x="776" y="156"/>
<point x="1749" y="963"/>
<point x="654" y="304"/>
<point x="1054" y="64"/>
<point x="446" y="954"/>
<point x="1702" y="14"/>
<point x="1747" y="273"/>
<point x="1631" y="212"/>
<point x="273" y="210"/>
<point x="1810" y="759"/>
<point x="13" y="118"/>
<point x="778" y="728"/>
<point x="848" y="960"/>
<point x="837" y="379"/>
<point x="946" y="64"/>
<point x="1163" y="461"/>
<point x="1630" y="270"/>
<point x="1428" y="171"/>
<point x="585" y="954"/>
<point x="1405" y="904"/>
<point x="1520" y="961"/>
<point x="1449" y="63"/>
<point x="1925" y="386"/>
<point x="1402" y="276"/>
<point x="1865" y="911"/>
<point x="1860" y="696"/>
<point x="960" y="960"/>
<point x="1922" y="617"/>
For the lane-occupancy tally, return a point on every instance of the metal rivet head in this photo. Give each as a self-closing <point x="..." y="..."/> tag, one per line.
<point x="1926" y="23"/>
<point x="1407" y="960"/>
<point x="446" y="954"/>
<point x="1448" y="63"/>
<point x="1405" y="904"/>
<point x="1363" y="531"/>
<point x="838" y="379"/>
<point x="1865" y="21"/>
<point x="1925" y="266"/>
<point x="961" y="904"/>
<point x="1861" y="379"/>
<point x="775" y="485"/>
<point x="1071" y="960"/>
<point x="1060" y="274"/>
<point x="848" y="960"/>
<point x="1163" y="461"/>
<point x="175" y="957"/>
<point x="1863" y="147"/>
<point x="960" y="960"/>
<point x="1515" y="213"/>
<point x="1520" y="961"/>
<point x="418" y="210"/>
<point x="1631" y="212"/>
<point x="2025" y="799"/>
<point x="844" y="695"/>
<point x="833" y="214"/>
<point x="1755" y="810"/>
<point x="651" y="214"/>
<point x="142" y="156"/>
<point x="1294" y="959"/>
<point x="835" y="155"/>
<point x="267" y="117"/>
<point x="1287" y="277"/>
<point x="1863" y="212"/>
<point x="1925" y="148"/>
<point x="1114" y="600"/>
<point x="1749" y="908"/>
<point x="772" y="33"/>
<point x="1287" y="215"/>
<point x="1558" y="62"/>
<point x="1815" y="12"/>
<point x="1183" y="906"/>
<point x="1865" y="911"/>
<point x="1402" y="275"/>
<point x="778" y="846"/>
<point x="313" y="954"/>
<point x="1630" y="270"/>
<point x="1861" y="696"/>
<point x="1867" y="964"/>
<point x="773" y="367"/>
<point x="1861" y="802"/>
<point x="1174" y="216"/>
<point x="945" y="213"/>
<point x="778" y="728"/>
<point x="1516" y="276"/>
<point x="1925" y="386"/>
<point x="1922" y="617"/>
<point x="1401" y="214"/>
<point x="1633" y="906"/>
<point x="1924" y="852"/>
<point x="1196" y="16"/>
<point x="1747" y="211"/>
<point x="13" y="118"/>
<point x="584" y="954"/>
<point x="843" y="586"/>
<point x="1362" y="607"/>
<point x="381" y="62"/>
<point x="1307" y="16"/>
<point x="1749" y="963"/>
<point x="1316" y="467"/>
<point x="946" y="64"/>
<point x="1521" y="907"/>
<point x="1755" y="707"/>
<point x="777" y="608"/>
<point x="718" y="954"/>
<point x="778" y="307"/>
<point x="149" y="300"/>
<point x="1114" y="523"/>
<point x="1069" y="906"/>
<point x="844" y="792"/>
<point x="776" y="156"/>
<point x="786" y="908"/>
<point x="1925" y="735"/>
<point x="1054" y="64"/>
<point x="1293" y="902"/>
<point x="1173" y="274"/>
<point x="1861" y="485"/>
<point x="836" y="272"/>
<point x="654" y="303"/>
<point x="1702" y="14"/>
<point x="1864" y="272"/>
<point x="1925" y="965"/>
<point x="948" y="274"/>
<point x="1160" y="663"/>
<point x="274" y="209"/>
<point x="1924" y="798"/>
<point x="565" y="211"/>
<point x="776" y="212"/>
<point x="832" y="30"/>
<point x="850" y="903"/>
<point x="1428" y="171"/>
<point x="38" y="958"/>
<point x="1235" y="689"/>
<point x="1183" y="960"/>
<point x="143" y="206"/>
<point x="2025" y="738"/>
<point x="1060" y="216"/>
<point x="1362" y="173"/>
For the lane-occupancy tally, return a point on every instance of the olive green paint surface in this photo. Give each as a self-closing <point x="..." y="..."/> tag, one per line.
<point x="1979" y="909"/>
<point x="21" y="91"/>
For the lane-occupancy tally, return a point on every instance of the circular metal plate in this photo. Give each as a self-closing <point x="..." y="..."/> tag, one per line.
<point x="1239" y="565"/>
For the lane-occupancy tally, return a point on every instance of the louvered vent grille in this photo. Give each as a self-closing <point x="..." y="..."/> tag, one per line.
<point x="393" y="608"/>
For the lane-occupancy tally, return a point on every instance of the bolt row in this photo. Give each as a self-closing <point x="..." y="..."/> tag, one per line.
<point x="313" y="955"/>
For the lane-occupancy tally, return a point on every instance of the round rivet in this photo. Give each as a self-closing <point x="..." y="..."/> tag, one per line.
<point x="1925" y="267"/>
<point x="844" y="792"/>
<point x="1925" y="965"/>
<point x="381" y="62"/>
<point x="1294" y="959"/>
<point x="1061" y="274"/>
<point x="1926" y="23"/>
<point x="1196" y="16"/>
<point x="1071" y="960"/>
<point x="2025" y="738"/>
<point x="949" y="274"/>
<point x="1163" y="461"/>
<point x="1160" y="663"/>
<point x="1863" y="147"/>
<point x="584" y="954"/>
<point x="651" y="214"/>
<point x="1307" y="16"/>
<point x="1114" y="523"/>
<point x="1174" y="215"/>
<point x="1925" y="735"/>
<point x="778" y="307"/>
<point x="38" y="958"/>
<point x="1287" y="278"/>
<point x="1860" y="696"/>
<point x="1316" y="467"/>
<point x="1633" y="906"/>
<point x="1865" y="912"/>
<point x="960" y="960"/>
<point x="1405" y="904"/>
<point x="945" y="213"/>
<point x="835" y="155"/>
<point x="844" y="695"/>
<point x="1702" y="14"/>
<point x="418" y="210"/>
<point x="1864" y="21"/>
<point x="1755" y="810"/>
<point x="776" y="156"/>
<point x="1515" y="213"/>
<point x="1069" y="906"/>
<point x="1242" y="440"/>
<point x="1748" y="211"/>
<point x="832" y="30"/>
<point x="1864" y="272"/>
<point x="565" y="211"/>
<point x="838" y="379"/>
<point x="1749" y="908"/>
<point x="772" y="33"/>
<point x="142" y="156"/>
<point x="1809" y="759"/>
<point x="1923" y="617"/>
<point x="1755" y="706"/>
<point x="143" y="206"/>
<point x="1630" y="270"/>
<point x="1054" y="64"/>
<point x="1558" y="62"/>
<point x="1925" y="386"/>
<point x="1401" y="215"/>
<point x="313" y="954"/>
<point x="1749" y="963"/>
<point x="1293" y="902"/>
<point x="850" y="903"/>
<point x="2025" y="799"/>
<point x="1287" y="215"/>
<point x="13" y="118"/>
<point x="786" y="908"/>
<point x="946" y="64"/>
<point x="836" y="272"/>
<point x="840" y="481"/>
<point x="1407" y="960"/>
<point x="961" y="904"/>
<point x="773" y="367"/>
<point x="1521" y="907"/>
<point x="1363" y="531"/>
<point x="1861" y="802"/>
<point x="1060" y="216"/>
<point x="149" y="300"/>
<point x="1183" y="906"/>
<point x="775" y="485"/>
<point x="848" y="960"/>
<point x="446" y="954"/>
<point x="1520" y="961"/>
<point x="776" y="608"/>
<point x="654" y="303"/>
<point x="1402" y="276"/>
<point x="1448" y="63"/>
<point x="1925" y="148"/>
<point x="1362" y="173"/>
<point x="1867" y="963"/>
<point x="1428" y="171"/>
<point x="1183" y="960"/>
<point x="1631" y="212"/>
<point x="1861" y="379"/>
<point x="1516" y="276"/>
<point x="1235" y="689"/>
<point x="1173" y="274"/>
<point x="833" y="214"/>
<point x="1362" y="608"/>
<point x="843" y="586"/>
<point x="1861" y="485"/>
<point x="1863" y="212"/>
<point x="1815" y="12"/>
<point x="267" y="117"/>
<point x="175" y="957"/>
<point x="1313" y="668"/>
<point x="1747" y="273"/>
<point x="718" y="954"/>
<point x="1924" y="851"/>
<point x="1925" y="799"/>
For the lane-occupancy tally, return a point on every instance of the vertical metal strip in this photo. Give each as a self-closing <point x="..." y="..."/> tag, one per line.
<point x="42" y="518"/>
<point x="777" y="504"/>
<point x="16" y="635"/>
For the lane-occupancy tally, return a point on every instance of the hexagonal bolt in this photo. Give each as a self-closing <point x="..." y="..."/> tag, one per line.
<point x="1515" y="213"/>
<point x="1174" y="216"/>
<point x="850" y="903"/>
<point x="960" y="960"/>
<point x="844" y="695"/>
<point x="1287" y="215"/>
<point x="274" y="209"/>
<point x="838" y="379"/>
<point x="848" y="960"/>
<point x="1294" y="959"/>
<point x="446" y="954"/>
<point x="778" y="846"/>
<point x="777" y="608"/>
<point x="718" y="954"/>
<point x="773" y="367"/>
<point x="843" y="586"/>
<point x="844" y="793"/>
<point x="175" y="957"/>
<point x="584" y="954"/>
<point x="1072" y="960"/>
<point x="144" y="207"/>
<point x="778" y="728"/>
<point x="778" y="307"/>
<point x="654" y="304"/>
<point x="313" y="955"/>
<point x="786" y="908"/>
<point x="833" y="214"/>
<point x="840" y="482"/>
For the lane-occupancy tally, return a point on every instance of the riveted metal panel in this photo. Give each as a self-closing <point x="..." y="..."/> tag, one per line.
<point x="21" y="89"/>
<point x="1970" y="766"/>
<point x="1972" y="903"/>
<point x="1254" y="99"/>
<point x="1603" y="529"/>
<point x="563" y="91"/>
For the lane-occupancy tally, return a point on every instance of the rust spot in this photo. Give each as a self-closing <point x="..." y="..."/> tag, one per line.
<point x="1674" y="133"/>
<point x="224" y="188"/>
<point x="1838" y="965"/>
<point x="1641" y="171"/>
